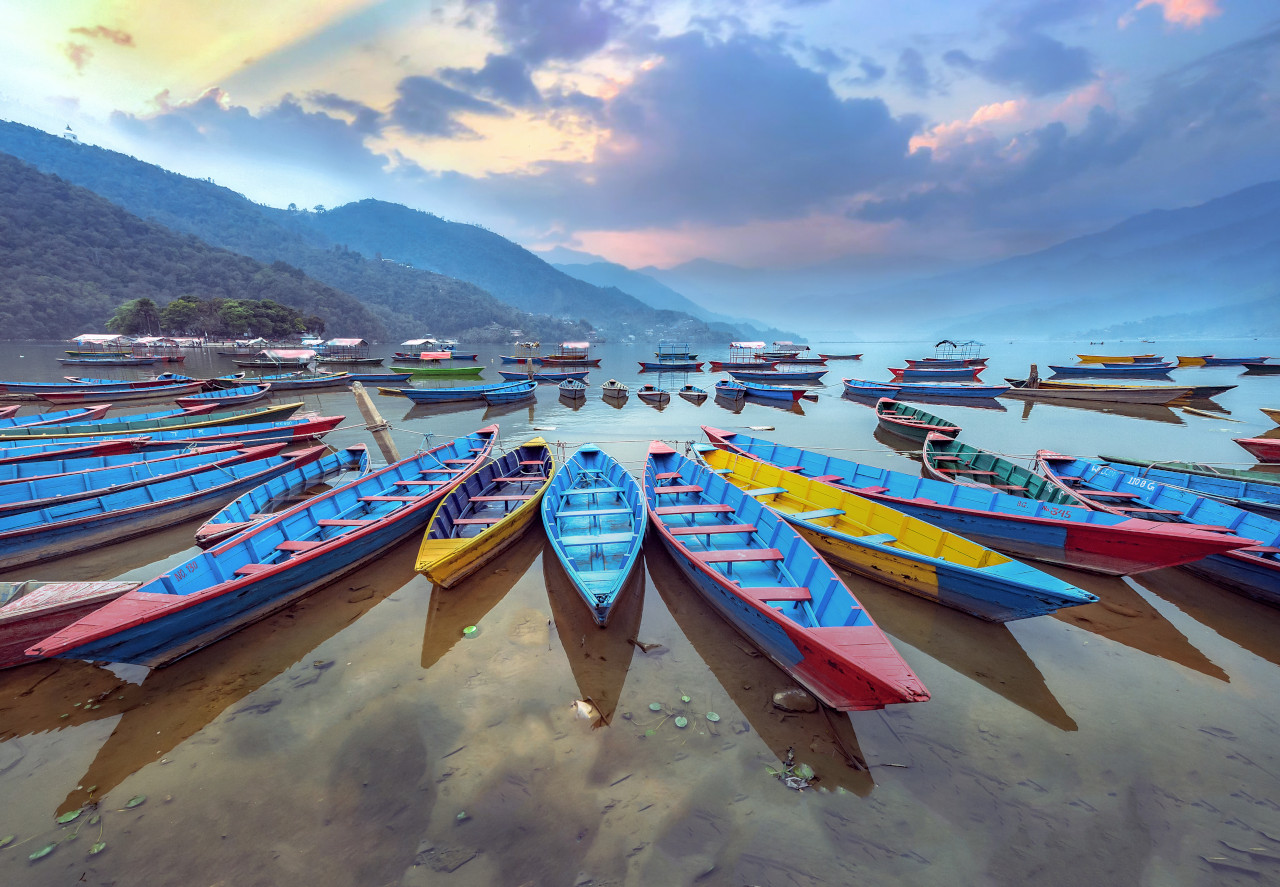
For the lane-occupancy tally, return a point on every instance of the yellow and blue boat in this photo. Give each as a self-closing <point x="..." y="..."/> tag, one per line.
<point x="485" y="514"/>
<point x="904" y="552"/>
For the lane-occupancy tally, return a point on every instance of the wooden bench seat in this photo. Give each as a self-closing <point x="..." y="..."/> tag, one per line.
<point x="468" y="521"/>
<point x="676" y="490"/>
<point x="602" y="539"/>
<point x="879" y="538"/>
<point x="511" y="498"/>
<point x="518" y="480"/>
<point x="250" y="569"/>
<point x="712" y="529"/>
<point x="592" y="491"/>
<point x="693" y="509"/>
<point x="827" y="478"/>
<point x="765" y="491"/>
<point x="588" y="512"/>
<point x="767" y="593"/>
<point x="1107" y="494"/>
<point x="343" y="522"/>
<point x="818" y="513"/>
<point x="737" y="555"/>
<point x="297" y="545"/>
<point x="390" y="498"/>
<point x="666" y="475"/>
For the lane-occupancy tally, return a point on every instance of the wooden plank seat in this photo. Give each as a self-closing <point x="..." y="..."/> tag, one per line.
<point x="511" y="498"/>
<point x="588" y="512"/>
<point x="468" y="521"/>
<point x="818" y="513"/>
<point x="250" y="569"/>
<point x="767" y="593"/>
<point x="674" y="490"/>
<point x="792" y="467"/>
<point x="602" y="539"/>
<point x="766" y="491"/>
<point x="712" y="529"/>
<point x="390" y="498"/>
<point x="297" y="545"/>
<point x="737" y="555"/>
<point x="458" y="461"/>
<point x="1261" y="549"/>
<point x="592" y="491"/>
<point x="343" y="522"/>
<point x="827" y="478"/>
<point x="518" y="479"/>
<point x="440" y="471"/>
<point x="419" y="483"/>
<point x="875" y="490"/>
<point x="666" y="475"/>
<point x="693" y="509"/>
<point x="722" y="471"/>
<point x="879" y="538"/>
<point x="945" y="457"/>
<point x="531" y="462"/>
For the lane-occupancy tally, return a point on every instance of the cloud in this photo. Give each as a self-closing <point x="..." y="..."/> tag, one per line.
<point x="503" y="78"/>
<point x="78" y="54"/>
<point x="538" y="31"/>
<point x="425" y="106"/>
<point x="912" y="72"/>
<point x="1187" y="13"/>
<point x="1038" y="64"/>
<point x="364" y="119"/>
<point x="716" y="132"/>
<point x="101" y="32"/>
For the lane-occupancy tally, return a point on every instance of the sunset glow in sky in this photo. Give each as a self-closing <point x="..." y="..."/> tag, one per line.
<point x="654" y="132"/>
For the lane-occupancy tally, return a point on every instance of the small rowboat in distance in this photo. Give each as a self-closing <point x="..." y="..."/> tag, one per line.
<point x="441" y="371"/>
<point x="863" y="388"/>
<point x="774" y="392"/>
<point x="1057" y="534"/>
<point x="840" y="356"/>
<point x="225" y="397"/>
<point x="108" y="361"/>
<point x="556" y="376"/>
<point x="651" y="394"/>
<point x="1113" y="369"/>
<point x="1193" y="361"/>
<point x="573" y="389"/>
<point x="946" y="389"/>
<point x="614" y="389"/>
<point x="593" y="512"/>
<point x="7" y="413"/>
<point x="926" y="363"/>
<point x="1253" y="570"/>
<point x="767" y="581"/>
<point x="454" y="394"/>
<point x="1115" y="358"/>
<point x="112" y="446"/>
<point x="777" y="377"/>
<point x="692" y="393"/>
<point x="911" y="422"/>
<point x="258" y="504"/>
<point x="1264" y="449"/>
<point x="113" y="395"/>
<point x="31" y="611"/>
<point x="1193" y="391"/>
<point x="683" y="366"/>
<point x="267" y="567"/>
<point x="485" y="514"/>
<point x="1261" y="368"/>
<point x="885" y="545"/>
<point x="512" y="393"/>
<point x="1232" y="361"/>
<point x="379" y="378"/>
<point x="1043" y="391"/>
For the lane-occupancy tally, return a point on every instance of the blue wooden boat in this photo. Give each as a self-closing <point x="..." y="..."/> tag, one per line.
<point x="128" y="425"/>
<point x="270" y="565"/>
<point x="109" y="446"/>
<point x="90" y="394"/>
<point x="172" y="412"/>
<point x="58" y="417"/>
<point x="1232" y="361"/>
<point x="773" y="392"/>
<point x="286" y="381"/>
<point x="304" y="427"/>
<point x="225" y="397"/>
<point x="1253" y="571"/>
<point x="692" y="393"/>
<point x="109" y="361"/>
<point x="512" y="393"/>
<point x="731" y="389"/>
<point x="51" y="490"/>
<point x="766" y="580"/>
<point x="654" y="395"/>
<point x="77" y="384"/>
<point x="885" y="545"/>
<point x="235" y="380"/>
<point x="1259" y="496"/>
<point x="1113" y="369"/>
<point x="593" y="512"/>
<point x="573" y="389"/>
<point x="777" y="377"/>
<point x="456" y="393"/>
<point x="937" y="374"/>
<point x="486" y="514"/>
<point x="673" y="365"/>
<point x="1058" y="534"/>
<point x="379" y="378"/>
<point x="908" y="390"/>
<point x="258" y="504"/>
<point x="29" y="537"/>
<point x="556" y="376"/>
<point x="57" y="464"/>
<point x="863" y="388"/>
<point x="674" y="351"/>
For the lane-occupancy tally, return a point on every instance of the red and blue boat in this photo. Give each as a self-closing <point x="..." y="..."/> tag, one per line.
<point x="863" y="388"/>
<point x="1057" y="534"/>
<point x="10" y="419"/>
<point x="937" y="374"/>
<point x="906" y="390"/>
<point x="225" y="397"/>
<point x="767" y="581"/>
<point x="273" y="564"/>
<point x="777" y="377"/>
<point x="1253" y="571"/>
<point x="1113" y="369"/>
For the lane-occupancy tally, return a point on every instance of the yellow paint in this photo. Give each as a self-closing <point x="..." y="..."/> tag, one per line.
<point x="447" y="562"/>
<point x="862" y="517"/>
<point x="1272" y="414"/>
<point x="1110" y="358"/>
<point x="1190" y="361"/>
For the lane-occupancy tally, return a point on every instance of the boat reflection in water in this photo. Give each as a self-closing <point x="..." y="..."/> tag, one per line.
<point x="1124" y="616"/>
<point x="453" y="609"/>
<point x="900" y="445"/>
<point x="823" y="739"/>
<point x="1243" y="621"/>
<point x="986" y="653"/>
<point x="732" y="404"/>
<point x="598" y="657"/>
<point x="1150" y="412"/>
<point x="968" y="403"/>
<point x="174" y="703"/>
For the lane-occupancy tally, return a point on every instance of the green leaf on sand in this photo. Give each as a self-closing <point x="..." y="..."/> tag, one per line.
<point x="135" y="801"/>
<point x="7" y="840"/>
<point x="97" y="848"/>
<point x="42" y="852"/>
<point x="69" y="816"/>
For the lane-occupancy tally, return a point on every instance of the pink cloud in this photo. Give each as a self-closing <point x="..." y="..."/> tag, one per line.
<point x="1187" y="13"/>
<point x="78" y="54"/>
<point x="119" y="38"/>
<point x="961" y="131"/>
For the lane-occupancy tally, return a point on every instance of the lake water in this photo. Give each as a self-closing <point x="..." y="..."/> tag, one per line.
<point x="357" y="738"/>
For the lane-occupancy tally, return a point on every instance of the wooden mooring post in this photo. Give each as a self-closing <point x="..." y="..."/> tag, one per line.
<point x="378" y="427"/>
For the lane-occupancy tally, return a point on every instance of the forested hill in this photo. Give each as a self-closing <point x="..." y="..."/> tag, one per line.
<point x="405" y="301"/>
<point x="364" y="249"/>
<point x="71" y="257"/>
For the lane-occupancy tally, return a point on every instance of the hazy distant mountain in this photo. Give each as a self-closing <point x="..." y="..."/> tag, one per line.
<point x="562" y="255"/>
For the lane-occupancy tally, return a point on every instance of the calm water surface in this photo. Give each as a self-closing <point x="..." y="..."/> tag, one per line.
<point x="358" y="739"/>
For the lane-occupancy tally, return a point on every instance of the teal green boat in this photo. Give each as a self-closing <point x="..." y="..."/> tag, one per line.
<point x="959" y="463"/>
<point x="440" y="371"/>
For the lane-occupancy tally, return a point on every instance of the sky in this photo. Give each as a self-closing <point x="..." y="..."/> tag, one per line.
<point x="760" y="134"/>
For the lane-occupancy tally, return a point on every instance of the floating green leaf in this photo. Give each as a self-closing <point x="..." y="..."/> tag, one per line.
<point x="804" y="771"/>
<point x="135" y="801"/>
<point x="712" y="717"/>
<point x="43" y="852"/>
<point x="685" y="699"/>
<point x="682" y="722"/>
<point x="97" y="848"/>
<point x="69" y="816"/>
<point x="7" y="840"/>
<point x="655" y="706"/>
<point x="93" y="820"/>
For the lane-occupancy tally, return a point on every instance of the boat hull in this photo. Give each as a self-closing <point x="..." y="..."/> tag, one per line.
<point x="777" y="378"/>
<point x="1264" y="449"/>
